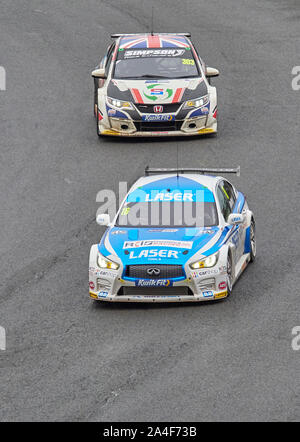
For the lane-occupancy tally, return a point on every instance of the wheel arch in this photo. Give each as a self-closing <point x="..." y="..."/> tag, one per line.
<point x="226" y="251"/>
<point x="93" y="255"/>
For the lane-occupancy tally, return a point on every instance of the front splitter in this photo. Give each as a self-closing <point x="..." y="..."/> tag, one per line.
<point x="167" y="298"/>
<point x="175" y="133"/>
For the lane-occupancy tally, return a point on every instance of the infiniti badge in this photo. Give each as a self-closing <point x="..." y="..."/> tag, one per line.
<point x="153" y="271"/>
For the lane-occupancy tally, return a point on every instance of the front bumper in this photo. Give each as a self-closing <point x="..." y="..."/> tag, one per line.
<point x="198" y="286"/>
<point x="130" y="128"/>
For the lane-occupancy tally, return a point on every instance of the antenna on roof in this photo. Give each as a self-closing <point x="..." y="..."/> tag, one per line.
<point x="152" y="29"/>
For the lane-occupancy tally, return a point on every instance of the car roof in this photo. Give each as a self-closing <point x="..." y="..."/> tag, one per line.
<point x="146" y="41"/>
<point x="180" y="181"/>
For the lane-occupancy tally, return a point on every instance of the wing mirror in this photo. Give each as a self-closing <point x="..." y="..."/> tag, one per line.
<point x="235" y="219"/>
<point x="212" y="72"/>
<point x="99" y="73"/>
<point x="103" y="219"/>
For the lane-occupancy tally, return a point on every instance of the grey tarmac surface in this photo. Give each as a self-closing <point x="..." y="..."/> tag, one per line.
<point x="68" y="358"/>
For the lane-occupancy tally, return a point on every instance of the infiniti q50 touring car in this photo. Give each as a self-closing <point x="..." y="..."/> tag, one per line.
<point x="154" y="85"/>
<point x="178" y="236"/>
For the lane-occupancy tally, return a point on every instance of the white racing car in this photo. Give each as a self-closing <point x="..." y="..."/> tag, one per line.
<point x="154" y="85"/>
<point x="179" y="235"/>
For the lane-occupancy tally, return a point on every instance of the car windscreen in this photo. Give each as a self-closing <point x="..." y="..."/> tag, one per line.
<point x="155" y="63"/>
<point x="168" y="214"/>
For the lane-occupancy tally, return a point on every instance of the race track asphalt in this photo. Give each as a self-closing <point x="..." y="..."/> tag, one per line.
<point x="68" y="358"/>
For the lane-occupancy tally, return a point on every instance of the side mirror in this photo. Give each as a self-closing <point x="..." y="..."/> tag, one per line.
<point x="103" y="219"/>
<point x="99" y="73"/>
<point x="235" y="219"/>
<point x="212" y="72"/>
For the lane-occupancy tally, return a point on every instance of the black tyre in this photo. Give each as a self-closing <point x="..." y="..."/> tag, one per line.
<point x="252" y="241"/>
<point x="229" y="277"/>
<point x="95" y="97"/>
<point x="96" y="114"/>
<point x="97" y="126"/>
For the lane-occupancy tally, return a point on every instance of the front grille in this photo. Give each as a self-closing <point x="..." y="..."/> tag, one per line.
<point x="153" y="292"/>
<point x="149" y="108"/>
<point x="166" y="271"/>
<point x="158" y="126"/>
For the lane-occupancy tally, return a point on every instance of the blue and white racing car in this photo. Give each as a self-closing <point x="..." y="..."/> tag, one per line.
<point x="179" y="235"/>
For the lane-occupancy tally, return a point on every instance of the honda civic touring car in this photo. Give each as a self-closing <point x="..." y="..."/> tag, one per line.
<point x="178" y="236"/>
<point x="154" y="85"/>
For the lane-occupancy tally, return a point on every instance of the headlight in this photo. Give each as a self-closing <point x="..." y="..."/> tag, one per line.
<point x="196" y="103"/>
<point x="105" y="263"/>
<point x="119" y="103"/>
<point x="210" y="261"/>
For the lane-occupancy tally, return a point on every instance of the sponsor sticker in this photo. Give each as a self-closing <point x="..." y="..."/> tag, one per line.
<point x="220" y="295"/>
<point x="170" y="196"/>
<point x="140" y="53"/>
<point x="102" y="295"/>
<point x="156" y="91"/>
<point x="208" y="294"/>
<point x="111" y="273"/>
<point x="158" y="243"/>
<point x="204" y="273"/>
<point x="118" y="232"/>
<point x="153" y="283"/>
<point x="111" y="112"/>
<point x="205" y="130"/>
<point x="158" y="117"/>
<point x="92" y="285"/>
<point x="222" y="285"/>
<point x="154" y="254"/>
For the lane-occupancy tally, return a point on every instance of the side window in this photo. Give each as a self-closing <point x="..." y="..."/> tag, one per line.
<point x="224" y="201"/>
<point x="200" y="60"/>
<point x="103" y="61"/>
<point x="229" y="193"/>
<point x="109" y="58"/>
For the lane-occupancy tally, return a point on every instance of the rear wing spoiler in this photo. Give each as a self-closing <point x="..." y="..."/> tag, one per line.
<point x="202" y="171"/>
<point x="183" y="34"/>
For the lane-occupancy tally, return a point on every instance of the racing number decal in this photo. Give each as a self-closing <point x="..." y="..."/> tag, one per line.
<point x="188" y="61"/>
<point x="225" y="193"/>
<point x="125" y="211"/>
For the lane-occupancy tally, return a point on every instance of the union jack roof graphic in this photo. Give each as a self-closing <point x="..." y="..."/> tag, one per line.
<point x="153" y="41"/>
